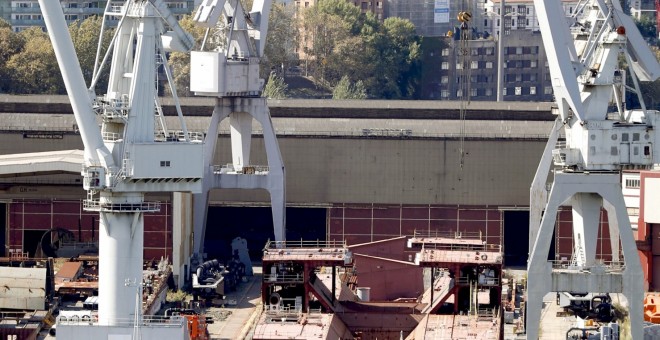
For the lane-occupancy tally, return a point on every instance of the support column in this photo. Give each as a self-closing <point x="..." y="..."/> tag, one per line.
<point x="613" y="226"/>
<point x="586" y="222"/>
<point x="121" y="243"/>
<point x="633" y="276"/>
<point x="241" y="138"/>
<point x="539" y="270"/>
<point x="200" y="201"/>
<point x="276" y="171"/>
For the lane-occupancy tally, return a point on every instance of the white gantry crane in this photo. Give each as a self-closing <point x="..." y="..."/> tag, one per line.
<point x="230" y="73"/>
<point x="584" y="55"/>
<point x="133" y="152"/>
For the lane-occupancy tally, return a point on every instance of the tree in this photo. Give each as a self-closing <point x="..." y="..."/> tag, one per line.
<point x="324" y="31"/>
<point x="646" y="27"/>
<point x="4" y="23"/>
<point x="281" y="39"/>
<point x="180" y="62"/>
<point x="275" y="87"/>
<point x="345" y="90"/>
<point x="34" y="69"/>
<point x="10" y="44"/>
<point x="344" y="41"/>
<point x="396" y="58"/>
<point x="85" y="38"/>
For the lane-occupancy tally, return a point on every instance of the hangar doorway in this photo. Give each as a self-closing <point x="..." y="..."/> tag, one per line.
<point x="255" y="224"/>
<point x="516" y="239"/>
<point x="3" y="230"/>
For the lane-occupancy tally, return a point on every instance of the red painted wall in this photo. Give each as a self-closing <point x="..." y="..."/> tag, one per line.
<point x="644" y="233"/>
<point x="372" y="222"/>
<point x="389" y="280"/>
<point x="42" y="215"/>
<point x="358" y="224"/>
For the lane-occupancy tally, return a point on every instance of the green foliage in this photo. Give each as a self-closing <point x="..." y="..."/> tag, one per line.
<point x="281" y="40"/>
<point x="646" y="26"/>
<point x="10" y="44"/>
<point x="28" y="64"/>
<point x="34" y="69"/>
<point x="344" y="41"/>
<point x="176" y="296"/>
<point x="275" y="88"/>
<point x="179" y="62"/>
<point x="345" y="90"/>
<point x="85" y="38"/>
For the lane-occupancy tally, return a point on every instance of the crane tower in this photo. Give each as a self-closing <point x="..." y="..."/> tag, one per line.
<point x="131" y="154"/>
<point x="584" y="59"/>
<point x="230" y="73"/>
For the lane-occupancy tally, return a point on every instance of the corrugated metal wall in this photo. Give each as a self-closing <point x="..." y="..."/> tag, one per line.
<point x="27" y="215"/>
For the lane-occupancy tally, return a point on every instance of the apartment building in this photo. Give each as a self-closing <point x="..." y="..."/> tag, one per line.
<point x="423" y="14"/>
<point x="468" y="69"/>
<point x="518" y="15"/>
<point x="27" y="13"/>
<point x="377" y="7"/>
<point x="642" y="9"/>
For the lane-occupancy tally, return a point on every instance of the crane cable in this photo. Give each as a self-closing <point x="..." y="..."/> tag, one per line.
<point x="465" y="78"/>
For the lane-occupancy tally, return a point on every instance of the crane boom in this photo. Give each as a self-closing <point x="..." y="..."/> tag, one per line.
<point x="128" y="156"/>
<point x="96" y="153"/>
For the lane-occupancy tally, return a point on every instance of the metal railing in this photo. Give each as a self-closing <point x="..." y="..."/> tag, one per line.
<point x="77" y="244"/>
<point x="274" y="278"/>
<point x="606" y="266"/>
<point x="463" y="247"/>
<point x="475" y="235"/>
<point x="146" y="321"/>
<point x="111" y="136"/>
<point x="96" y="205"/>
<point x="245" y="170"/>
<point x="304" y="244"/>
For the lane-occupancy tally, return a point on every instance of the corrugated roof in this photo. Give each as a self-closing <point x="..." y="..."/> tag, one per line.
<point x="45" y="162"/>
<point x="324" y="127"/>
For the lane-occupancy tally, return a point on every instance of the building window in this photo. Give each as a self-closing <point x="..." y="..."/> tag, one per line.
<point x="459" y="93"/>
<point x="489" y="64"/>
<point x="459" y="66"/>
<point x="519" y="50"/>
<point x="473" y="92"/>
<point x="518" y="90"/>
<point x="489" y="51"/>
<point x="165" y="164"/>
<point x="474" y="65"/>
<point x="445" y="52"/>
<point x="444" y="79"/>
<point x="444" y="65"/>
<point x="633" y="183"/>
<point x="489" y="92"/>
<point x="547" y="90"/>
<point x="444" y="94"/>
<point x="504" y="91"/>
<point x="532" y="90"/>
<point x="533" y="64"/>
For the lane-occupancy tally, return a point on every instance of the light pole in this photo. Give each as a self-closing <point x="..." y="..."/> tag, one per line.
<point x="500" y="56"/>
